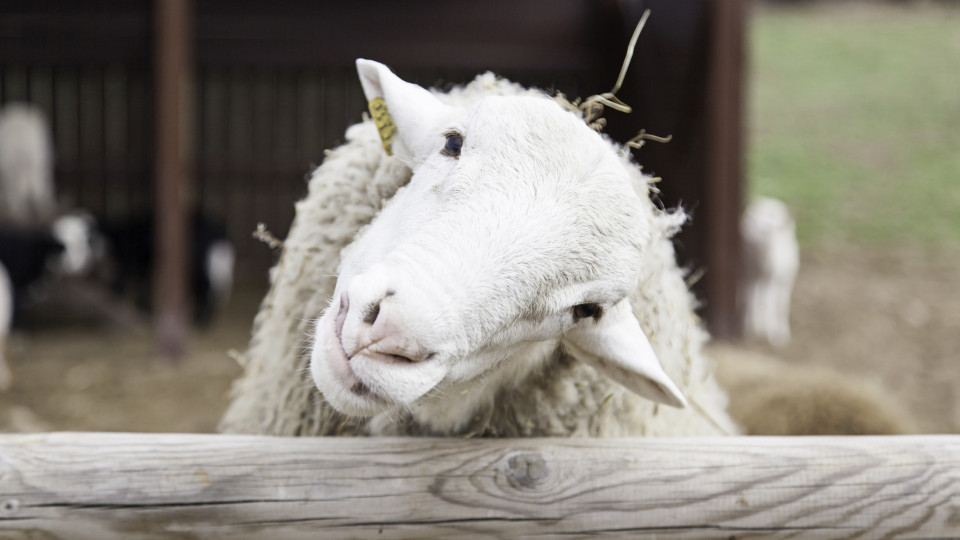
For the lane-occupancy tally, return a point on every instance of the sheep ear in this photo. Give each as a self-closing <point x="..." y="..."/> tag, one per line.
<point x="409" y="118"/>
<point x="616" y="346"/>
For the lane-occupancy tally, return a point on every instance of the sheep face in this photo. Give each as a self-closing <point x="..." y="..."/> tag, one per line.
<point x="519" y="233"/>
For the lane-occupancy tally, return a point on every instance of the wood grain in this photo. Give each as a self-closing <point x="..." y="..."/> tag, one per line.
<point x="115" y="485"/>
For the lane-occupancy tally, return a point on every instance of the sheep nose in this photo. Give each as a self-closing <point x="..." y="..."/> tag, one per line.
<point x="384" y="334"/>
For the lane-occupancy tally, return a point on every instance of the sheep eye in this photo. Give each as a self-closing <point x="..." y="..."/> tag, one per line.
<point x="587" y="311"/>
<point x="453" y="145"/>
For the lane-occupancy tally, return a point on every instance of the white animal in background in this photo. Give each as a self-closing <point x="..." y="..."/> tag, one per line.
<point x="26" y="166"/>
<point x="773" y="396"/>
<point x="770" y="263"/>
<point x="82" y="247"/>
<point x="520" y="283"/>
<point x="6" y="321"/>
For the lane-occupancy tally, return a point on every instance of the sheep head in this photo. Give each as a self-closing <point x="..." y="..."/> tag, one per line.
<point x="519" y="231"/>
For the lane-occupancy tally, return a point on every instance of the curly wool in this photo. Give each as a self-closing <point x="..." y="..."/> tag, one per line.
<point x="275" y="396"/>
<point x="769" y="396"/>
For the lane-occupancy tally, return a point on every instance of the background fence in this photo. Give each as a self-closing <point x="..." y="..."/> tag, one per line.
<point x="273" y="86"/>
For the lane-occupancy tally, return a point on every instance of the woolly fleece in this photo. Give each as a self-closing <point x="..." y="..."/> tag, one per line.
<point x="275" y="396"/>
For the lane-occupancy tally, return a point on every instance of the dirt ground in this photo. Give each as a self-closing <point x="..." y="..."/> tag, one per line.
<point x="92" y="376"/>
<point x="891" y="316"/>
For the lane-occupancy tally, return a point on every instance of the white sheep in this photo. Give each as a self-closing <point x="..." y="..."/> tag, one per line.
<point x="771" y="258"/>
<point x="26" y="166"/>
<point x="509" y="287"/>
<point x="6" y="320"/>
<point x="771" y="396"/>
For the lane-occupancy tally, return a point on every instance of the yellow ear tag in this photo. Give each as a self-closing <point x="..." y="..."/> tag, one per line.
<point x="383" y="120"/>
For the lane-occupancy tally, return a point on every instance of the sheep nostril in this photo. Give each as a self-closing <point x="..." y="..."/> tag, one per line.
<point x="371" y="314"/>
<point x="342" y="314"/>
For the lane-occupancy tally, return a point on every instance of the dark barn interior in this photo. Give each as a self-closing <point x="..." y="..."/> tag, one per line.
<point x="269" y="86"/>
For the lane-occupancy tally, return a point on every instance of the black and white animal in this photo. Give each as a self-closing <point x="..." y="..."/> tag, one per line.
<point x="131" y="250"/>
<point x="29" y="254"/>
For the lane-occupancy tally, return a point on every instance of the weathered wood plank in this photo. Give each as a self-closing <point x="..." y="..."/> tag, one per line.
<point x="102" y="485"/>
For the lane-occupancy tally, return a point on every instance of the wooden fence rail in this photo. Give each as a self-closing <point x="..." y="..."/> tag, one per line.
<point x="103" y="485"/>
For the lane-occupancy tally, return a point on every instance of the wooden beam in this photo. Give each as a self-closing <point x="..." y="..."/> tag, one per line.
<point x="116" y="485"/>
<point x="686" y="80"/>
<point x="173" y="36"/>
<point x="473" y="36"/>
<point x="725" y="156"/>
<point x="59" y="32"/>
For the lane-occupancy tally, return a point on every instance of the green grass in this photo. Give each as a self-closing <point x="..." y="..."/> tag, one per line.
<point x="855" y="120"/>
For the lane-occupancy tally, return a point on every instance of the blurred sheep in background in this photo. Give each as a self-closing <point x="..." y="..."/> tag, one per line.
<point x="771" y="258"/>
<point x="6" y="319"/>
<point x="26" y="166"/>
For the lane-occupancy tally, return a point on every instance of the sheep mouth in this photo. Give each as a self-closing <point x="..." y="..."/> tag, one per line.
<point x="368" y="382"/>
<point x="340" y="363"/>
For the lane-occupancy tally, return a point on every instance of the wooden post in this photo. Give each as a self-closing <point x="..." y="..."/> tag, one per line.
<point x="686" y="80"/>
<point x="172" y="42"/>
<point x="725" y="151"/>
<point x="119" y="485"/>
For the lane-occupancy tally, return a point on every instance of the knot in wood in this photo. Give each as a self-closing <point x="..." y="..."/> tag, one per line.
<point x="527" y="470"/>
